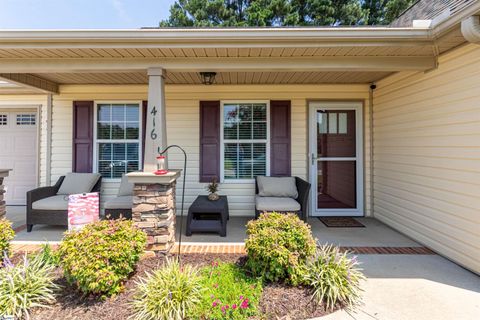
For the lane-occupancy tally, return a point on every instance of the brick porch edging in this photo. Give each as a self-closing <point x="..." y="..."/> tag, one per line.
<point x="239" y="248"/>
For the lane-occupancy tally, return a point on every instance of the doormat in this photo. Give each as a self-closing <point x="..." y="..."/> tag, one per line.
<point x="340" y="222"/>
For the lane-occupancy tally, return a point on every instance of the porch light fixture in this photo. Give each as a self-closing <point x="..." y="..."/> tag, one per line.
<point x="208" y="77"/>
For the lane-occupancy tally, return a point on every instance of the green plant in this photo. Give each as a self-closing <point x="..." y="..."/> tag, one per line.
<point x="334" y="277"/>
<point x="99" y="257"/>
<point x="48" y="256"/>
<point x="229" y="294"/>
<point x="6" y="235"/>
<point x="168" y="293"/>
<point x="212" y="187"/>
<point x="25" y="285"/>
<point x="278" y="245"/>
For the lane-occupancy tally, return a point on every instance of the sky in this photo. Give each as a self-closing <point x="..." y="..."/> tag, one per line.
<point x="82" y="14"/>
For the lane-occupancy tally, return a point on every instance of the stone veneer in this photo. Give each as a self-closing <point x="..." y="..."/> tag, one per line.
<point x="154" y="208"/>
<point x="3" y="174"/>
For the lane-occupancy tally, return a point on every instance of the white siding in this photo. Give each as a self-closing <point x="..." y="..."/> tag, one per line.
<point x="427" y="155"/>
<point x="183" y="126"/>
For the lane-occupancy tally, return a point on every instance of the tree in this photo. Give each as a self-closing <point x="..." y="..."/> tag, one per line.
<point x="229" y="13"/>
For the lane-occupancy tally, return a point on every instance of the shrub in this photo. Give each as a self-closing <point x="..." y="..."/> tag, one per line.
<point x="6" y="235"/>
<point x="168" y="293"/>
<point x="99" y="257"/>
<point x="229" y="293"/>
<point x="25" y="285"/>
<point x="278" y="245"/>
<point x="334" y="277"/>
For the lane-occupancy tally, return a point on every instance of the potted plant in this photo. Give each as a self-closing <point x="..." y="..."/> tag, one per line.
<point x="212" y="188"/>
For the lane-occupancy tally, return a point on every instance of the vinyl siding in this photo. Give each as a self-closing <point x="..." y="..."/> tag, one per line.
<point x="183" y="127"/>
<point x="33" y="101"/>
<point x="427" y="155"/>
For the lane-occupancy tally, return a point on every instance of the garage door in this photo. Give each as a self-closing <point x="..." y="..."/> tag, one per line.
<point x="18" y="151"/>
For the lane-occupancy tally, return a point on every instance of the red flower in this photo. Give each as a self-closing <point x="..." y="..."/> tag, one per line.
<point x="244" y="304"/>
<point x="234" y="306"/>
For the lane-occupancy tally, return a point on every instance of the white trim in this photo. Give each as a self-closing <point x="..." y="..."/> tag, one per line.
<point x="96" y="141"/>
<point x="312" y="164"/>
<point x="222" y="140"/>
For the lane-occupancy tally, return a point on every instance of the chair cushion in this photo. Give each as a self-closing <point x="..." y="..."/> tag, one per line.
<point x="58" y="202"/>
<point x="276" y="204"/>
<point x="75" y="183"/>
<point x="277" y="187"/>
<point x="123" y="202"/>
<point x="126" y="188"/>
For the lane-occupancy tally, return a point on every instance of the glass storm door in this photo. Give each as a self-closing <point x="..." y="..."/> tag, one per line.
<point x="336" y="169"/>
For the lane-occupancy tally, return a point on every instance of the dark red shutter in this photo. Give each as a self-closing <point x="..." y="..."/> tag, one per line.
<point x="209" y="140"/>
<point x="144" y="126"/>
<point x="280" y="138"/>
<point x="82" y="136"/>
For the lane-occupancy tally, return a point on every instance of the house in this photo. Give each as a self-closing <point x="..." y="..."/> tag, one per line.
<point x="383" y="121"/>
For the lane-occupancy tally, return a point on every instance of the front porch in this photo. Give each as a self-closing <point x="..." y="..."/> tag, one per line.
<point x="375" y="234"/>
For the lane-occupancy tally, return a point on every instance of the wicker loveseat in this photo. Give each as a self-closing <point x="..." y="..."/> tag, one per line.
<point x="282" y="194"/>
<point x="49" y="205"/>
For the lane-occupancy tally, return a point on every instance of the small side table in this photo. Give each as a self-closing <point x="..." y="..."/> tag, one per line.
<point x="208" y="216"/>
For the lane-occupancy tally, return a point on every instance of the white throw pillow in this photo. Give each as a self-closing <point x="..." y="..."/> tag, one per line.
<point x="75" y="183"/>
<point x="277" y="187"/>
<point x="126" y="188"/>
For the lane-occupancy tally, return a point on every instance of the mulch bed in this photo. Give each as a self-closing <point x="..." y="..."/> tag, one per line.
<point x="279" y="302"/>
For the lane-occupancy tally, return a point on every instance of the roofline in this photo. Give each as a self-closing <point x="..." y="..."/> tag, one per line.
<point x="202" y="36"/>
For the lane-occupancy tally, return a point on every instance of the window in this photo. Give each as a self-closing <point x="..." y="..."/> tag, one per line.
<point x="245" y="140"/>
<point x="3" y="120"/>
<point x="26" y="119"/>
<point x="332" y="122"/>
<point x="117" y="139"/>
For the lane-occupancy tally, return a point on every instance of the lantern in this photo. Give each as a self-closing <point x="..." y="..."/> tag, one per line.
<point x="161" y="166"/>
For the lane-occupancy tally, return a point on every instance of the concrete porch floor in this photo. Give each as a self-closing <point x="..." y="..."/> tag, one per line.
<point x="375" y="233"/>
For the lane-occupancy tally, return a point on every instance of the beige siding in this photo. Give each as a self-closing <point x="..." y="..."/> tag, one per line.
<point x="427" y="155"/>
<point x="183" y="126"/>
<point x="33" y="101"/>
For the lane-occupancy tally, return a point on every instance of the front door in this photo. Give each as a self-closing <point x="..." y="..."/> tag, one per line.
<point x="336" y="168"/>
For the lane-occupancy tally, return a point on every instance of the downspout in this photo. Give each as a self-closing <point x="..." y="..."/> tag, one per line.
<point x="373" y="86"/>
<point x="471" y="29"/>
<point x="48" y="151"/>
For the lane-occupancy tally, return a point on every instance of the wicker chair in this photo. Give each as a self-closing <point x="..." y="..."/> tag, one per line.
<point x="45" y="216"/>
<point x="303" y="188"/>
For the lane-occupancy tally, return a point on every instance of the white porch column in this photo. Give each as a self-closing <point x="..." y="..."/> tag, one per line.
<point x="156" y="135"/>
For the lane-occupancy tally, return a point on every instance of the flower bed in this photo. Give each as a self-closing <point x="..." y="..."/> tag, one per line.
<point x="97" y="273"/>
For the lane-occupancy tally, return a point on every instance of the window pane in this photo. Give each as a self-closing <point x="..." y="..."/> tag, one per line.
<point x="245" y="113"/>
<point x="132" y="130"/>
<point x="322" y="122"/>
<point x="103" y="131"/>
<point x="260" y="130"/>
<point x="230" y="113"/>
<point x="119" y="151"/>
<point x="132" y="166"/>
<point x="245" y="131"/>
<point x="118" y="113"/>
<point x="260" y="112"/>
<point x="332" y="123"/>
<point x="119" y="168"/>
<point x="132" y="151"/>
<point x="342" y="123"/>
<point x="118" y="130"/>
<point x="105" y="168"/>
<point x="105" y="151"/>
<point x="132" y="113"/>
<point x="230" y="131"/>
<point x="103" y="113"/>
<point x="230" y="161"/>
<point x="259" y="159"/>
<point x="245" y="161"/>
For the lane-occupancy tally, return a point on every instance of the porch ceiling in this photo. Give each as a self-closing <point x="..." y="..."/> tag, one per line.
<point x="221" y="78"/>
